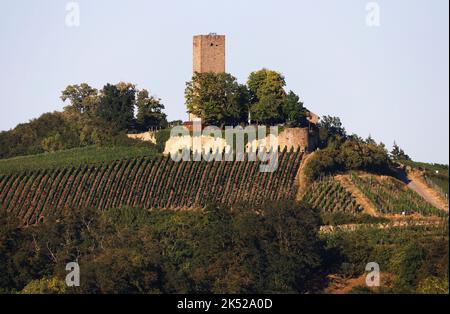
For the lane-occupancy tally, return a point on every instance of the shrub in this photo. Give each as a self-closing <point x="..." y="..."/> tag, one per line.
<point x="45" y="286"/>
<point x="162" y="136"/>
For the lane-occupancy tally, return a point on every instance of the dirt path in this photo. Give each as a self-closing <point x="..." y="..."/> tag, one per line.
<point x="343" y="286"/>
<point x="358" y="195"/>
<point x="302" y="181"/>
<point x="340" y="285"/>
<point x="418" y="185"/>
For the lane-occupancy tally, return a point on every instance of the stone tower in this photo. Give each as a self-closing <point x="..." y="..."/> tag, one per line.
<point x="208" y="56"/>
<point x="209" y="53"/>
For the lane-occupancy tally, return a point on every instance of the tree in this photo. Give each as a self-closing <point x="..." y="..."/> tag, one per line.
<point x="267" y="96"/>
<point x="116" y="107"/>
<point x="83" y="98"/>
<point x="81" y="114"/>
<point x="216" y="98"/>
<point x="149" y="112"/>
<point x="293" y="111"/>
<point x="399" y="154"/>
<point x="353" y="153"/>
<point x="356" y="154"/>
<point x="331" y="130"/>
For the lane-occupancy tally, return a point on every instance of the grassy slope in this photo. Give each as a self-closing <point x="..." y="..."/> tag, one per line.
<point x="76" y="156"/>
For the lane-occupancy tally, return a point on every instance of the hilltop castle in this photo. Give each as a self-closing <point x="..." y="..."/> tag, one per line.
<point x="209" y="56"/>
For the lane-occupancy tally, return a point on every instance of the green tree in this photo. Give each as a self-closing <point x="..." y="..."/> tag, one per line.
<point x="293" y="111"/>
<point x="82" y="111"/>
<point x="267" y="96"/>
<point x="399" y="154"/>
<point x="149" y="112"/>
<point x="331" y="130"/>
<point x="116" y="107"/>
<point x="216" y="98"/>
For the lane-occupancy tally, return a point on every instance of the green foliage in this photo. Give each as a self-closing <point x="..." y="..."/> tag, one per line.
<point x="247" y="249"/>
<point x="415" y="255"/>
<point x="353" y="154"/>
<point x="331" y="130"/>
<point x="267" y="96"/>
<point x="81" y="113"/>
<point x="49" y="131"/>
<point x="399" y="154"/>
<point x="116" y="107"/>
<point x="433" y="285"/>
<point x="10" y="238"/>
<point x="322" y="163"/>
<point x="162" y="136"/>
<point x="217" y="98"/>
<point x="83" y="99"/>
<point x="91" y="117"/>
<point x="149" y="112"/>
<point x="294" y="111"/>
<point x="406" y="263"/>
<point x="45" y="286"/>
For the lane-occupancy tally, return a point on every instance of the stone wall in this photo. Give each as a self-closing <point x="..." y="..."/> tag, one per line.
<point x="298" y="137"/>
<point x="146" y="137"/>
<point x="295" y="138"/>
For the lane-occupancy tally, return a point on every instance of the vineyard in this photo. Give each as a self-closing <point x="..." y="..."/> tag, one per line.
<point x="327" y="194"/>
<point x="74" y="157"/>
<point x="146" y="183"/>
<point x="391" y="196"/>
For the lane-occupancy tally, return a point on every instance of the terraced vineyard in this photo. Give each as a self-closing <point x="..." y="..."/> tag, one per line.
<point x="147" y="183"/>
<point x="329" y="195"/>
<point x="391" y="196"/>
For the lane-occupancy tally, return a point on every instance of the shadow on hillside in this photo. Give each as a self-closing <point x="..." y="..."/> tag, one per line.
<point x="400" y="173"/>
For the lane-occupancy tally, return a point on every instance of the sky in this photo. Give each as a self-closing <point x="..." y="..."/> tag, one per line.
<point x="389" y="79"/>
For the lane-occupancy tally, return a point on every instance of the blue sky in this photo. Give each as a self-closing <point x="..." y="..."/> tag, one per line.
<point x="389" y="81"/>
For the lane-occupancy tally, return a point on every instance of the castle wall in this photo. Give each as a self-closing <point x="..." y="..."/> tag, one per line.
<point x="290" y="138"/>
<point x="298" y="137"/>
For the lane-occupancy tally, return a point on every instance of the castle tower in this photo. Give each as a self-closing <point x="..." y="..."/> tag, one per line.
<point x="208" y="55"/>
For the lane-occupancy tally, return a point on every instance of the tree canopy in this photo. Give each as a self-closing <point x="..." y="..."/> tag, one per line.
<point x="267" y="95"/>
<point x="399" y="154"/>
<point x="217" y="98"/>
